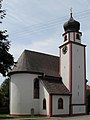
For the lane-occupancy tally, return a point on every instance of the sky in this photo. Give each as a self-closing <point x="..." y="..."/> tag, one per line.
<point x="37" y="25"/>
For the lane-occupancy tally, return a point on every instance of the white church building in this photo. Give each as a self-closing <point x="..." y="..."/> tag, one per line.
<point x="43" y="84"/>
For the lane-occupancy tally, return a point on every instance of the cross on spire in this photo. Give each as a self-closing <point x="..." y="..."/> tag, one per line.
<point x="71" y="12"/>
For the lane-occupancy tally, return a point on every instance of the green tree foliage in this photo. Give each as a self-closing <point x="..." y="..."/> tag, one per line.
<point x="4" y="93"/>
<point x="6" y="59"/>
<point x="1" y="96"/>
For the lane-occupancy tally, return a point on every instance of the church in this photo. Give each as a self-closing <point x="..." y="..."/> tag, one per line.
<point x="43" y="84"/>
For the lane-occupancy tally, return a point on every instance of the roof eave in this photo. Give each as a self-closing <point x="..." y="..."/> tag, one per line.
<point x="18" y="72"/>
<point x="68" y="94"/>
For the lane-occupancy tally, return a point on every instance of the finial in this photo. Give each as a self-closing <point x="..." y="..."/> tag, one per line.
<point x="71" y="12"/>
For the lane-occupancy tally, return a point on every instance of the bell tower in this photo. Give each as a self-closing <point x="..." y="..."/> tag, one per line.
<point x="73" y="65"/>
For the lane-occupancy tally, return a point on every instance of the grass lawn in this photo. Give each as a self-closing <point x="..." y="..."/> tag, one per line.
<point x="6" y="116"/>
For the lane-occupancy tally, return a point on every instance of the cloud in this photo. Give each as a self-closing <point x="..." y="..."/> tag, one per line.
<point x="87" y="42"/>
<point x="49" y="46"/>
<point x="23" y="14"/>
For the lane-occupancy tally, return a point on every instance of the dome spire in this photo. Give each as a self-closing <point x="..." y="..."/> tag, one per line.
<point x="71" y="12"/>
<point x="71" y="25"/>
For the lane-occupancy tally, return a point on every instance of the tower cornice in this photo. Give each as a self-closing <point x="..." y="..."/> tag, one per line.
<point x="73" y="43"/>
<point x="70" y="32"/>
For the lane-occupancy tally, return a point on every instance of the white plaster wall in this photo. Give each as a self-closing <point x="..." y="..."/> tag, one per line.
<point x="21" y="94"/>
<point x="67" y="36"/>
<point x="78" y="82"/>
<point x="43" y="94"/>
<point x="71" y="36"/>
<point x="79" y="109"/>
<point x="55" y="110"/>
<point x="64" y="67"/>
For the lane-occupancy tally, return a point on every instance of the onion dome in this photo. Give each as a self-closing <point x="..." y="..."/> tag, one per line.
<point x="71" y="25"/>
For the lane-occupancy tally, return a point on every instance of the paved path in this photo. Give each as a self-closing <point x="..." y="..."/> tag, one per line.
<point x="85" y="117"/>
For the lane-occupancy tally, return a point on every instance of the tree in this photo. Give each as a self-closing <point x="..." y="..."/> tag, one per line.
<point x="1" y="98"/>
<point x="6" y="59"/>
<point x="4" y="97"/>
<point x="4" y="90"/>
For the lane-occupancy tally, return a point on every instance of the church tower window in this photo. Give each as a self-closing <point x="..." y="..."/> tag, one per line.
<point x="65" y="38"/>
<point x="36" y="88"/>
<point x="77" y="36"/>
<point x="60" y="103"/>
<point x="44" y="104"/>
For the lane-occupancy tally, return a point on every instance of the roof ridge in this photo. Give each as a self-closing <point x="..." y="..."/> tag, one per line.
<point x="36" y="62"/>
<point x="41" y="53"/>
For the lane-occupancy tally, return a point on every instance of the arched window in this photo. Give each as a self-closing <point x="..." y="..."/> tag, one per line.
<point x="65" y="38"/>
<point x="60" y="103"/>
<point x="44" y="104"/>
<point x="77" y="36"/>
<point x="36" y="88"/>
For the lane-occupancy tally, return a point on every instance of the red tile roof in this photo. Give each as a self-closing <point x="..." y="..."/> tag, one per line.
<point x="87" y="87"/>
